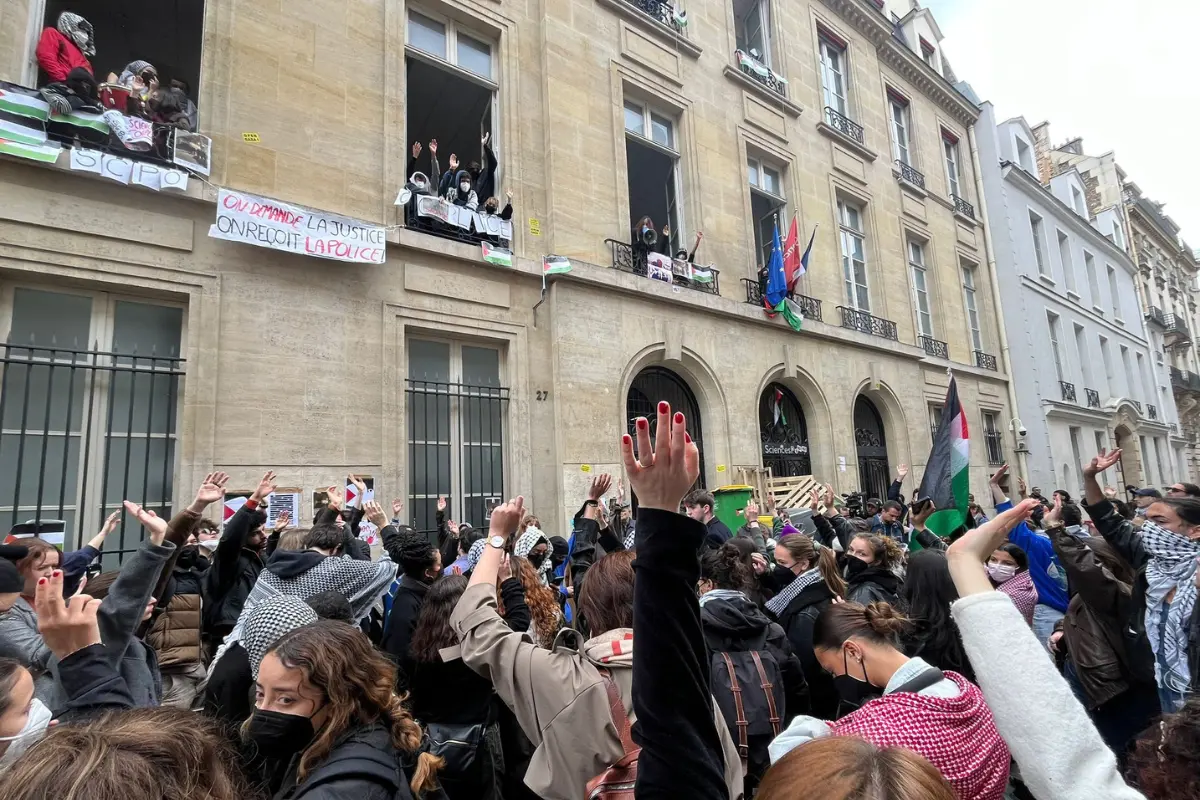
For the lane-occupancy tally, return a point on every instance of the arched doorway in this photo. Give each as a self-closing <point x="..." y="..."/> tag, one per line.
<point x="650" y="386"/>
<point x="784" y="433"/>
<point x="874" y="474"/>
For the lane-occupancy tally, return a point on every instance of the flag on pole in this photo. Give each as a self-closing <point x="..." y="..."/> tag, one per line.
<point x="946" y="479"/>
<point x="776" y="280"/>
<point x="802" y="267"/>
<point x="779" y="415"/>
<point x="791" y="255"/>
<point x="555" y="265"/>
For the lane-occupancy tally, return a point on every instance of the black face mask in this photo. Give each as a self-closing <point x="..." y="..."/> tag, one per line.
<point x="855" y="566"/>
<point x="278" y="735"/>
<point x="853" y="693"/>
<point x="781" y="576"/>
<point x="536" y="559"/>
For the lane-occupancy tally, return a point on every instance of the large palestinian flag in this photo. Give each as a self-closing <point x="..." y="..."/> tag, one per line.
<point x="947" y="475"/>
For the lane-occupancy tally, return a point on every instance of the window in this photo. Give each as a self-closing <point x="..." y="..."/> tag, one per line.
<point x="1145" y="458"/>
<point x="766" y="201"/>
<point x="854" y="257"/>
<point x="1077" y="202"/>
<point x="928" y="54"/>
<point x="1144" y="383"/>
<point x="78" y="440"/>
<point x="1068" y="268"/>
<point x="1052" y="322"/>
<point x="652" y="161"/>
<point x="456" y="415"/>
<point x="1112" y="290"/>
<point x="1101" y="444"/>
<point x="950" y="150"/>
<point x="968" y="278"/>
<point x="1035" y="227"/>
<point x="1125" y="362"/>
<point x="833" y="75"/>
<point x="444" y="41"/>
<point x="1025" y="155"/>
<point x="1076" y="452"/>
<point x="1106" y="357"/>
<point x="751" y="28"/>
<point x="1081" y="350"/>
<point x="935" y="418"/>
<point x="1089" y="265"/>
<point x="916" y="264"/>
<point x="1158" y="460"/>
<point x="898" y="109"/>
<point x="992" y="438"/>
<point x="1118" y="236"/>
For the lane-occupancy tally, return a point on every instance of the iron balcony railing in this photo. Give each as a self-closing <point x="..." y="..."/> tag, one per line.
<point x="1151" y="411"/>
<point x="1068" y="391"/>
<point x="626" y="259"/>
<point x="857" y="320"/>
<point x="810" y="307"/>
<point x="963" y="207"/>
<point x="934" y="347"/>
<point x="985" y="361"/>
<point x="663" y="12"/>
<point x="1093" y="398"/>
<point x="767" y="77"/>
<point x="995" y="448"/>
<point x="844" y="125"/>
<point x="1137" y="404"/>
<point x="1174" y="428"/>
<point x="1155" y="315"/>
<point x="910" y="174"/>
<point x="1175" y="325"/>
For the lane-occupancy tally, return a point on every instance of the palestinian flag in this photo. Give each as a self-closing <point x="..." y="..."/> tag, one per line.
<point x="23" y="102"/>
<point x="17" y="128"/>
<point x="496" y="255"/>
<point x="46" y="152"/>
<point x="82" y="119"/>
<point x="791" y="313"/>
<point x="555" y="265"/>
<point x="947" y="470"/>
<point x="701" y="275"/>
<point x="778" y="409"/>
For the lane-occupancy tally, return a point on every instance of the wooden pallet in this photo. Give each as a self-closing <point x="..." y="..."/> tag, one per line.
<point x="789" y="493"/>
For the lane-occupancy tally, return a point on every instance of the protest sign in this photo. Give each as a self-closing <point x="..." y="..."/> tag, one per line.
<point x="463" y="217"/>
<point x="233" y="502"/>
<point x="279" y="226"/>
<point x="659" y="267"/>
<point x="352" y="490"/>
<point x="191" y="150"/>
<point x="123" y="170"/>
<point x="282" y="500"/>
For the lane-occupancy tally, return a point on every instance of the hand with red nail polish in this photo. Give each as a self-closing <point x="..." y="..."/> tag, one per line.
<point x="661" y="474"/>
<point x="65" y="628"/>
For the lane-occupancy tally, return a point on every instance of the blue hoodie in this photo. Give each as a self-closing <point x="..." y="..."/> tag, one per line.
<point x="1049" y="578"/>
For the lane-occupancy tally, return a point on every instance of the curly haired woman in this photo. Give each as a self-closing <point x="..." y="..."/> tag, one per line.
<point x="542" y="602"/>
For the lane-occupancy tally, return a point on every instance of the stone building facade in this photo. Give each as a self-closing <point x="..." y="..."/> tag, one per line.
<point x="438" y="373"/>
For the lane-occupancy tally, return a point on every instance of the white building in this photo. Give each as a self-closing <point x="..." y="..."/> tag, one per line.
<point x="1084" y="368"/>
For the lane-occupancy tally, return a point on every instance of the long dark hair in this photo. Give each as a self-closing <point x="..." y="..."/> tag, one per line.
<point x="925" y="597"/>
<point x="725" y="569"/>
<point x="433" y="631"/>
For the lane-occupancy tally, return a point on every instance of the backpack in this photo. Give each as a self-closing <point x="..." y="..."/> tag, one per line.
<point x="747" y="686"/>
<point x="618" y="781"/>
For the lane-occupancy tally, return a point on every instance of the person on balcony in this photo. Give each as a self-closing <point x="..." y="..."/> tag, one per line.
<point x="77" y="92"/>
<point x="66" y="46"/>
<point x="646" y="240"/>
<point x="462" y="192"/>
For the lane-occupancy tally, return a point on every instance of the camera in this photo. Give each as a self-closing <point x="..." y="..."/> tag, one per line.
<point x="648" y="235"/>
<point x="1022" y="432"/>
<point x="855" y="504"/>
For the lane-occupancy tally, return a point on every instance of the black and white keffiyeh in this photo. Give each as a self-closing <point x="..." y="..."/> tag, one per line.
<point x="475" y="553"/>
<point x="525" y="544"/>
<point x="270" y="620"/>
<point x="78" y="30"/>
<point x="779" y="603"/>
<point x="1172" y="567"/>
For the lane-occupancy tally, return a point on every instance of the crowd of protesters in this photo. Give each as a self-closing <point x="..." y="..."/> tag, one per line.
<point x="653" y="653"/>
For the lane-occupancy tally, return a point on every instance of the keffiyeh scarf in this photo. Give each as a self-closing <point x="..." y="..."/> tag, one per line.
<point x="1022" y="592"/>
<point x="132" y="70"/>
<point x="79" y="31"/>
<point x="270" y="620"/>
<point x="475" y="553"/>
<point x="1172" y="566"/>
<point x="779" y="603"/>
<point x="525" y="544"/>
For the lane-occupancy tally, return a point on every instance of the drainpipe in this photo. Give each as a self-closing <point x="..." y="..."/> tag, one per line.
<point x="990" y="251"/>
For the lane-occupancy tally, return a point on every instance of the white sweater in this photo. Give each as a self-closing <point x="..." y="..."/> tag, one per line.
<point x="1061" y="755"/>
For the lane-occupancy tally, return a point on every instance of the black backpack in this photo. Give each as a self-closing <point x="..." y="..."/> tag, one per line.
<point x="748" y="688"/>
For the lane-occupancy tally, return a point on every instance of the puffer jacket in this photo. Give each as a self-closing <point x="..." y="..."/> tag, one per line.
<point x="176" y="633"/>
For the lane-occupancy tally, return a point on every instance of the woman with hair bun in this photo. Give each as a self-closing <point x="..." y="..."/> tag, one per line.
<point x="897" y="701"/>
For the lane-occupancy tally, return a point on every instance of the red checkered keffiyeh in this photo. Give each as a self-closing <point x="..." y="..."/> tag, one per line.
<point x="1024" y="596"/>
<point x="957" y="735"/>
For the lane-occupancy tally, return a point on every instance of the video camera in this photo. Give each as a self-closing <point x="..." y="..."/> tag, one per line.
<point x="856" y="504"/>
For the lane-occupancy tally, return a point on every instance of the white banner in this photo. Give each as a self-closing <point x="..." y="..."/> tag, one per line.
<point x="463" y="217"/>
<point x="123" y="170"/>
<point x="279" y="226"/>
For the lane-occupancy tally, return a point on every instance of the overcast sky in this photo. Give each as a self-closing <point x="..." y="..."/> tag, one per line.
<point x="1123" y="75"/>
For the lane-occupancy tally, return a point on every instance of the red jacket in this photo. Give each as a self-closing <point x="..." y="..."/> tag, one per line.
<point x="57" y="55"/>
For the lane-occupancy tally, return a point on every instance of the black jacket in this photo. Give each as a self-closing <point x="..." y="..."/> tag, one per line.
<point x="234" y="570"/>
<point x="734" y="625"/>
<point x="872" y="585"/>
<point x="718" y="533"/>
<point x="92" y="684"/>
<point x="363" y="765"/>
<point x="449" y="692"/>
<point x="227" y="694"/>
<point x="401" y="622"/>
<point x="797" y="621"/>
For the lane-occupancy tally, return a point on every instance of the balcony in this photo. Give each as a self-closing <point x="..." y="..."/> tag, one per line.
<point x="1177" y="378"/>
<point x="1144" y="265"/>
<point x="1093" y="398"/>
<point x="1068" y="391"/>
<point x="759" y="72"/>
<point x="1155" y="316"/>
<point x="689" y="276"/>
<point x="662" y="12"/>
<point x="1151" y="411"/>
<point x="995" y="448"/>
<point x="1177" y="333"/>
<point x="963" y="207"/>
<point x="910" y="175"/>
<point x="844" y="125"/>
<point x="1137" y="404"/>
<point x="861" y="321"/>
<point x="985" y="360"/>
<point x="934" y="347"/>
<point x="810" y="307"/>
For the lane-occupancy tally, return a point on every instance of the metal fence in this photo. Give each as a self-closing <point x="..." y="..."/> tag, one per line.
<point x="81" y="430"/>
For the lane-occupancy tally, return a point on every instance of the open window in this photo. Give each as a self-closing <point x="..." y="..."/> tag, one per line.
<point x="766" y="201"/>
<point x="168" y="35"/>
<point x="451" y="93"/>
<point x="652" y="161"/>
<point x="751" y="28"/>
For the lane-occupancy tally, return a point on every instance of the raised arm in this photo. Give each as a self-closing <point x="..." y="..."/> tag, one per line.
<point x="123" y="609"/>
<point x="681" y="748"/>
<point x="1115" y="529"/>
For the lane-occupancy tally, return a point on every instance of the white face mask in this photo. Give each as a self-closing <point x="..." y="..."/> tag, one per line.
<point x="464" y="187"/>
<point x="210" y="545"/>
<point x="1001" y="573"/>
<point x="35" y="728"/>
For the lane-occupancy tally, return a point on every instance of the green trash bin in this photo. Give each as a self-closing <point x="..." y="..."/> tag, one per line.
<point x="731" y="501"/>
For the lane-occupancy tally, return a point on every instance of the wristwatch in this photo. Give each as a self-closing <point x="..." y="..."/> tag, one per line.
<point x="497" y="542"/>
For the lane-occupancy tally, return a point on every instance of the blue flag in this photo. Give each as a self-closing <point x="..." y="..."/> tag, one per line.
<point x="776" y="279"/>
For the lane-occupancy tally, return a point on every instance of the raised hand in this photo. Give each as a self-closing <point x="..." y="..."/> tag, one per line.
<point x="902" y="471"/>
<point x="265" y="487"/>
<point x="1054" y="514"/>
<point x="600" y="485"/>
<point x="416" y="149"/>
<point x="361" y="486"/>
<point x="453" y="161"/>
<point x="397" y="507"/>
<point x="155" y="525"/>
<point x="998" y="475"/>
<point x="374" y="514"/>
<point x="814" y="500"/>
<point x="485" y="138"/>
<point x="508" y="195"/>
<point x="1101" y="462"/>
<point x="282" y="521"/>
<point x="661" y="476"/>
<point x="441" y="504"/>
<point x="1022" y="487"/>
<point x="65" y="628"/>
<point x="335" y="495"/>
<point x="452" y="526"/>
<point x="505" y="569"/>
<point x="433" y="146"/>
<point x="212" y="489"/>
<point x="110" y="524"/>
<point x="752" y="513"/>
<point x="506" y="517"/>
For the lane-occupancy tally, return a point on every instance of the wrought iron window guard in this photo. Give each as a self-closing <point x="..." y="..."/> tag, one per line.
<point x="627" y="259"/>
<point x="861" y="321"/>
<point x="934" y="347"/>
<point x="844" y="125"/>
